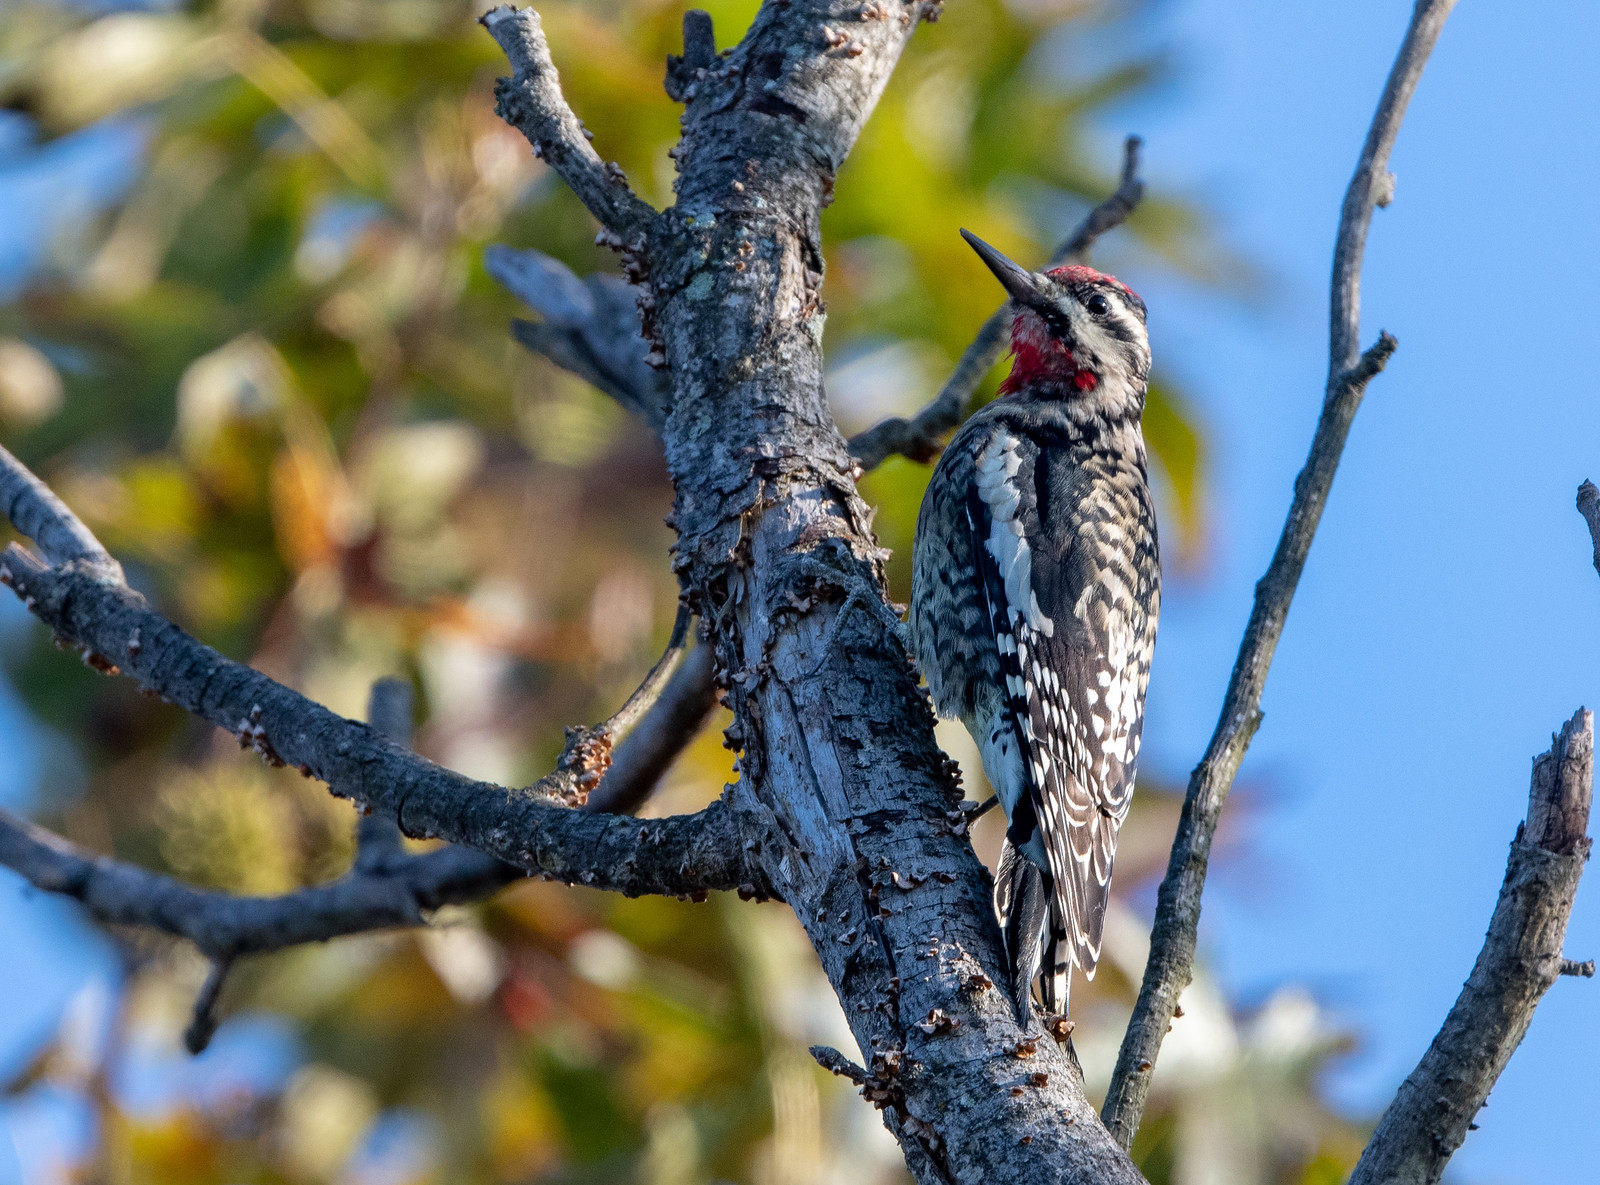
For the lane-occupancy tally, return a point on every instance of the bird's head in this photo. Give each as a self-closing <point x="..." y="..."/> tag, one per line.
<point x="1079" y="335"/>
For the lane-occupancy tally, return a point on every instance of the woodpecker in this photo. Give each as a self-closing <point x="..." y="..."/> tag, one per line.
<point x="1036" y="584"/>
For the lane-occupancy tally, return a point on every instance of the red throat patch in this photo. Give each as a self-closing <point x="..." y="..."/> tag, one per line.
<point x="1037" y="357"/>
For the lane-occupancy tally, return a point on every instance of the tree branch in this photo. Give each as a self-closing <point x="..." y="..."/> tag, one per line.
<point x="590" y="327"/>
<point x="1373" y="184"/>
<point x="588" y="750"/>
<point x="921" y="437"/>
<point x="699" y="53"/>
<point x="33" y="508"/>
<point x="223" y="926"/>
<point x="531" y="101"/>
<point x="378" y="838"/>
<point x="203" y="1022"/>
<point x="1520" y="960"/>
<point x="1172" y="945"/>
<point x="86" y="605"/>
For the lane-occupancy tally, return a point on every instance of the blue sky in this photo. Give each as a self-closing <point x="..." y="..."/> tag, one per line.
<point x="1449" y="618"/>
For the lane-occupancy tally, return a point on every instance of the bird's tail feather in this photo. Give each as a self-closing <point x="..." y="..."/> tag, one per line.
<point x="1035" y="939"/>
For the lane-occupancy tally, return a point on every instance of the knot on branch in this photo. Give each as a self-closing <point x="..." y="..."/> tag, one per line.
<point x="699" y="52"/>
<point x="1372" y="361"/>
<point x="880" y="1086"/>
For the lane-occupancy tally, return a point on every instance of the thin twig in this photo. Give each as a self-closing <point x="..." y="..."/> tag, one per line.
<point x="1520" y="960"/>
<point x="378" y="838"/>
<point x="920" y="438"/>
<point x="1172" y="942"/>
<point x="831" y="1060"/>
<point x="655" y="742"/>
<point x="636" y="705"/>
<point x="977" y="810"/>
<point x="590" y="327"/>
<point x="531" y="101"/>
<point x="203" y="1024"/>
<point x="587" y="754"/>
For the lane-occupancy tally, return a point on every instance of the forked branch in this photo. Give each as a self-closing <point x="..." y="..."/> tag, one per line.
<point x="386" y="888"/>
<point x="223" y="926"/>
<point x="655" y="742"/>
<point x="1520" y="959"/>
<point x="91" y="607"/>
<point x="1172" y="942"/>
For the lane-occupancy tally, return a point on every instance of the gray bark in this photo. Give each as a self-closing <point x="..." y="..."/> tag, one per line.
<point x="1521" y="958"/>
<point x="589" y="327"/>
<point x="115" y="628"/>
<point x="841" y="783"/>
<point x="222" y="925"/>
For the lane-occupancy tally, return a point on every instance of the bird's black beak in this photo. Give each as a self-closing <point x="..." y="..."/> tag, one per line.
<point x="1023" y="286"/>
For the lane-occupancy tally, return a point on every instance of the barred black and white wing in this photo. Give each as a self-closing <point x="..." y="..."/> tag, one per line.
<point x="1066" y="549"/>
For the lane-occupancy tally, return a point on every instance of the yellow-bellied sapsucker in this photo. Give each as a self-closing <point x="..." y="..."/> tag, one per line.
<point x="1035" y="589"/>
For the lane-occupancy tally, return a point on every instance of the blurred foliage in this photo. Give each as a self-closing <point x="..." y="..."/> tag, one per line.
<point x="276" y="380"/>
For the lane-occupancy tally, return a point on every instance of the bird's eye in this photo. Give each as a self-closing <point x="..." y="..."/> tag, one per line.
<point x="1098" y="305"/>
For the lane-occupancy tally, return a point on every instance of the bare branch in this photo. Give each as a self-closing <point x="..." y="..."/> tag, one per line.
<point x="34" y="509"/>
<point x="699" y="52"/>
<point x="378" y="894"/>
<point x="524" y="827"/>
<point x="531" y="101"/>
<point x="921" y="437"/>
<point x="102" y="616"/>
<point x="1109" y="214"/>
<point x="203" y="1024"/>
<point x="1373" y="184"/>
<point x="224" y="926"/>
<point x="1589" y="507"/>
<point x="653" y="745"/>
<point x="590" y="327"/>
<point x="831" y="1060"/>
<point x="623" y="720"/>
<point x="378" y="839"/>
<point x="1520" y="960"/>
<point x="1172" y="945"/>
